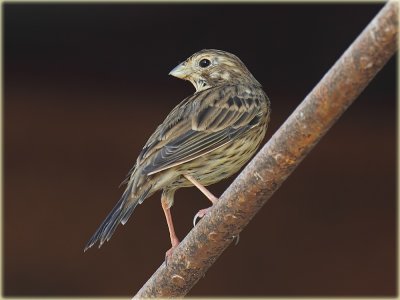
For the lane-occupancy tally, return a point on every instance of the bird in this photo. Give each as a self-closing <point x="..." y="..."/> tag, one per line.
<point x="207" y="137"/>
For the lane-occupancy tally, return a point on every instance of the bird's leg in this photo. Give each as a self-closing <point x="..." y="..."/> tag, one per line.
<point x="202" y="189"/>
<point x="174" y="239"/>
<point x="201" y="213"/>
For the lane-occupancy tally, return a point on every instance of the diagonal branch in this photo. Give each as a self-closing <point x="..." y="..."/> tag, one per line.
<point x="278" y="158"/>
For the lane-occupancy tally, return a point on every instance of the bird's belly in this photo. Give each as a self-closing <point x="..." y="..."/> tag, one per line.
<point x="222" y="162"/>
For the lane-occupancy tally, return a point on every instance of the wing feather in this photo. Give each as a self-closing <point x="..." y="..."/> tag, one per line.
<point x="203" y="125"/>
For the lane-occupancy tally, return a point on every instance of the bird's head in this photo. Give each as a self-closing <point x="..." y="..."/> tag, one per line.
<point x="208" y="68"/>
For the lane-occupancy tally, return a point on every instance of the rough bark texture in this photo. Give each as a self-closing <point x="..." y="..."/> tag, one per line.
<point x="278" y="158"/>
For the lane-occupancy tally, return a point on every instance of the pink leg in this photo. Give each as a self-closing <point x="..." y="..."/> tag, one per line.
<point x="207" y="193"/>
<point x="202" y="189"/>
<point x="172" y="234"/>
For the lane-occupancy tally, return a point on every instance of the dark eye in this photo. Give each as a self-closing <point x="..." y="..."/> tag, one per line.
<point x="204" y="63"/>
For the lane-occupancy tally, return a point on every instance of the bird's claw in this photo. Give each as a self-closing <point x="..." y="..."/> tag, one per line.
<point x="168" y="254"/>
<point x="195" y="219"/>
<point x="236" y="237"/>
<point x="200" y="215"/>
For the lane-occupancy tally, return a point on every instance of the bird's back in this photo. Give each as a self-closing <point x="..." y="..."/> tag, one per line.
<point x="216" y="129"/>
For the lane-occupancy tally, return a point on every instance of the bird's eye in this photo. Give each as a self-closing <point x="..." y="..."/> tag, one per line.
<point x="204" y="63"/>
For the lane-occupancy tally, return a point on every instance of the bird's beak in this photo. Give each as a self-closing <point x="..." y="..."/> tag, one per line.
<point x="180" y="71"/>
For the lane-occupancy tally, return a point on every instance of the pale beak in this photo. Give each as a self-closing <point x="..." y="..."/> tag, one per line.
<point x="179" y="71"/>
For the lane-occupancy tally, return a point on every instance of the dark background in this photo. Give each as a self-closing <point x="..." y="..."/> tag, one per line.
<point x="86" y="85"/>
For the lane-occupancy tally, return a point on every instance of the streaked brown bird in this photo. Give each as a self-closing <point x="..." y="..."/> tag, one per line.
<point x="209" y="136"/>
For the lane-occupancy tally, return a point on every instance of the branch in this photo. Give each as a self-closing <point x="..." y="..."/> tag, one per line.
<point x="278" y="158"/>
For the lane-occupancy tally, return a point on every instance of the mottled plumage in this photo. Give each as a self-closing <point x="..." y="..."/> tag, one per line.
<point x="209" y="136"/>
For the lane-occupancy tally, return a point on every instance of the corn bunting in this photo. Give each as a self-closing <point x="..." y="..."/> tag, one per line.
<point x="209" y="136"/>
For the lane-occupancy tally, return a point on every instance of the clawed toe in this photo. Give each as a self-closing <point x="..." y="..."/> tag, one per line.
<point x="236" y="237"/>
<point x="168" y="254"/>
<point x="200" y="214"/>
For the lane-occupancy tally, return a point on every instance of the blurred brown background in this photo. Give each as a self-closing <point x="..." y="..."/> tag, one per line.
<point x="86" y="85"/>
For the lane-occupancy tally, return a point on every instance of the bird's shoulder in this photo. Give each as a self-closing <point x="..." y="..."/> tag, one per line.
<point x="208" y="111"/>
<point x="230" y="105"/>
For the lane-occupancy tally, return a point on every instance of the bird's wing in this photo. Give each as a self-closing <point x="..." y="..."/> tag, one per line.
<point x="201" y="125"/>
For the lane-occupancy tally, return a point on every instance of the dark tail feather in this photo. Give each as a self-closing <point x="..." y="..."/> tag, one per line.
<point x="119" y="214"/>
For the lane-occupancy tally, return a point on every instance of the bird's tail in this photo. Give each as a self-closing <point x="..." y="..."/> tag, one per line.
<point x="119" y="214"/>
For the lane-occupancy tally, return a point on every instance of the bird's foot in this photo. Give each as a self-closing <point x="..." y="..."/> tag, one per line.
<point x="169" y="253"/>
<point x="200" y="214"/>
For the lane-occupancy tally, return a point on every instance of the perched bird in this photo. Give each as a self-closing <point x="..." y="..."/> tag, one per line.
<point x="209" y="136"/>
